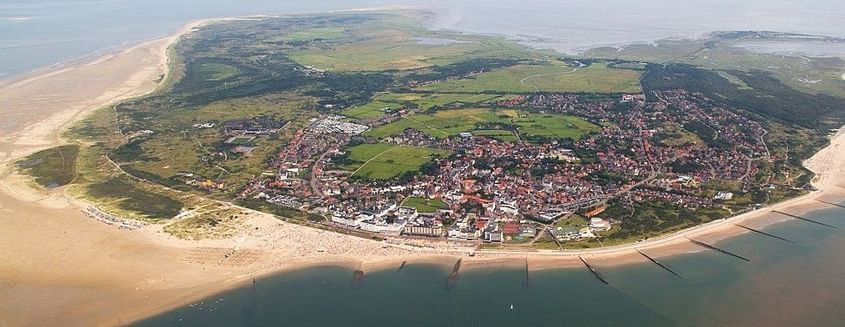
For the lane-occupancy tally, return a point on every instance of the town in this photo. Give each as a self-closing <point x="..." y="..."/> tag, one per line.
<point x="490" y="191"/>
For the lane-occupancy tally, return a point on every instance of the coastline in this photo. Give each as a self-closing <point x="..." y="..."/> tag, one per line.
<point x="118" y="276"/>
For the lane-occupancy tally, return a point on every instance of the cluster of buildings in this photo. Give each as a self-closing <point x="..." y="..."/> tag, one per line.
<point x="573" y="233"/>
<point x="336" y="124"/>
<point x="629" y="145"/>
<point x="504" y="191"/>
<point x="261" y="125"/>
<point x="492" y="229"/>
<point x="393" y="220"/>
<point x="305" y="154"/>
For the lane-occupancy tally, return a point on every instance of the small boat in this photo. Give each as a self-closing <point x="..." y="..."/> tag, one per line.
<point x="511" y="306"/>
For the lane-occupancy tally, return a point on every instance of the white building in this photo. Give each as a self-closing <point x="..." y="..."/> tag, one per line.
<point x="724" y="196"/>
<point x="599" y="225"/>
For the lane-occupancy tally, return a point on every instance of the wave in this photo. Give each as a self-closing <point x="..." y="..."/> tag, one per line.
<point x="17" y="18"/>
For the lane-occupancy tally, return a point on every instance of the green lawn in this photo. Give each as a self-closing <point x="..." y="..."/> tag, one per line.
<point x="216" y="71"/>
<point x="385" y="161"/>
<point x="445" y="123"/>
<point x="554" y="126"/>
<point x="674" y="135"/>
<point x="423" y="101"/>
<point x="424" y="205"/>
<point x="554" y="77"/>
<point x="52" y="167"/>
<point x="363" y="152"/>
<point x="498" y="134"/>
<point x="572" y="221"/>
<point x="392" y="45"/>
<point x="386" y="53"/>
<point x="318" y="33"/>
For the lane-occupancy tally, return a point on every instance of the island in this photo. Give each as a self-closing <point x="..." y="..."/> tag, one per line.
<point x="369" y="124"/>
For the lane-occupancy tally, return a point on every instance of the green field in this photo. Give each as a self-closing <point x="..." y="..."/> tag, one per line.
<point x="422" y="101"/>
<point x="446" y="123"/>
<point x="385" y="161"/>
<point x="675" y="136"/>
<point x="555" y="77"/>
<point x="122" y="193"/>
<point x="177" y="146"/>
<point x="391" y="44"/>
<point x="554" y="126"/>
<point x="424" y="205"/>
<point x="318" y="33"/>
<point x="808" y="74"/>
<point x="52" y="167"/>
<point x="498" y="134"/>
<point x="375" y="55"/>
<point x="216" y="71"/>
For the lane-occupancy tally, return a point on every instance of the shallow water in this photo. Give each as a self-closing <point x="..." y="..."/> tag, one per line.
<point x="36" y="33"/>
<point x="792" y="48"/>
<point x="785" y="284"/>
<point x="436" y="41"/>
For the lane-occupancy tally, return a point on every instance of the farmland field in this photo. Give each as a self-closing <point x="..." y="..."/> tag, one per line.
<point x="445" y="123"/>
<point x="384" y="161"/>
<point x="555" y="77"/>
<point x="376" y="55"/>
<point x="394" y="45"/>
<point x="422" y="101"/>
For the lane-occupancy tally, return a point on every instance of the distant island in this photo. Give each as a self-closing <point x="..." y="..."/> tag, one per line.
<point x="368" y="124"/>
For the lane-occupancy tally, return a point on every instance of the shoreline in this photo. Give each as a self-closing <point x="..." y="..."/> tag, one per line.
<point x="177" y="281"/>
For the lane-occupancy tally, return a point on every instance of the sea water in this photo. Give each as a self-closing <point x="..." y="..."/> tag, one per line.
<point x="784" y="284"/>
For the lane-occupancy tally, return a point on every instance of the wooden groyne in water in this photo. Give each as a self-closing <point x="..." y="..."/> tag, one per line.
<point x="358" y="276"/>
<point x="659" y="264"/>
<point x="594" y="271"/>
<point x="764" y="233"/>
<point x="805" y="219"/>
<point x="527" y="274"/>
<point x="831" y="203"/>
<point x="454" y="275"/>
<point x="705" y="245"/>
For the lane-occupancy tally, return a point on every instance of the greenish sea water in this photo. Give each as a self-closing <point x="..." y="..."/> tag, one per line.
<point x="785" y="284"/>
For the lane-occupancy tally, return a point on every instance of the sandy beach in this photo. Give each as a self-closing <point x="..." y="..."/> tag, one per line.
<point x="61" y="267"/>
